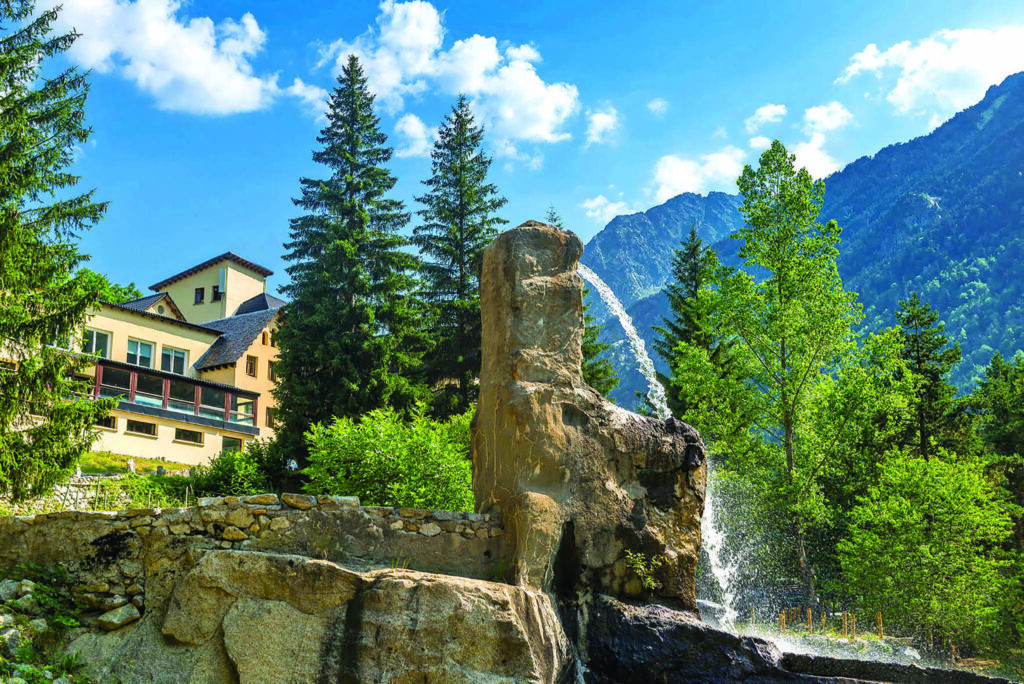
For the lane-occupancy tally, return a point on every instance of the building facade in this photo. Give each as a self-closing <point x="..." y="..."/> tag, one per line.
<point x="193" y="365"/>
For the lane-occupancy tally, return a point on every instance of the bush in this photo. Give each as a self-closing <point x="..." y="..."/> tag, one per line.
<point x="236" y="473"/>
<point x="387" y="462"/>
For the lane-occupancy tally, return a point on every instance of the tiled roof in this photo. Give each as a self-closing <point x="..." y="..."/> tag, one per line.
<point x="237" y="333"/>
<point x="157" y="317"/>
<point x="226" y="256"/>
<point x="260" y="302"/>
<point x="143" y="303"/>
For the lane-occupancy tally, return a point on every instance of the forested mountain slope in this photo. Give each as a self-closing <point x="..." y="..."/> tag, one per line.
<point x="942" y="214"/>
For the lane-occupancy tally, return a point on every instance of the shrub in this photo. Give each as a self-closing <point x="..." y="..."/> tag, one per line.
<point x="235" y="473"/>
<point x="387" y="462"/>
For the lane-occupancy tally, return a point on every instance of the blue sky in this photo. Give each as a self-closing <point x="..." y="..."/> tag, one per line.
<point x="205" y="113"/>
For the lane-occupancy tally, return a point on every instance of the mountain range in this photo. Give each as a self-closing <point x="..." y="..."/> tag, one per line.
<point x="942" y="215"/>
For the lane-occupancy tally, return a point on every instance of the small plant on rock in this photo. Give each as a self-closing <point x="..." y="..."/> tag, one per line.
<point x="645" y="568"/>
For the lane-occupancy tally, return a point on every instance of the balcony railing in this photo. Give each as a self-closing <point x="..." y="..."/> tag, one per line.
<point x="167" y="391"/>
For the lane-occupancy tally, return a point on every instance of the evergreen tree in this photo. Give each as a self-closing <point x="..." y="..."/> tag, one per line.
<point x="43" y="303"/>
<point x="930" y="358"/>
<point x="598" y="370"/>
<point x="694" y="265"/>
<point x="348" y="338"/>
<point x="459" y="220"/>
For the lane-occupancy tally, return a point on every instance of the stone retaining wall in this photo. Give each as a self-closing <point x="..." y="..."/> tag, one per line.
<point x="136" y="556"/>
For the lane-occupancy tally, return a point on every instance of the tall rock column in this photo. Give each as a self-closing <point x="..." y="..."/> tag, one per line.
<point x="579" y="480"/>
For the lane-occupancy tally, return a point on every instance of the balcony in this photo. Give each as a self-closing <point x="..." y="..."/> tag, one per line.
<point x="172" y="396"/>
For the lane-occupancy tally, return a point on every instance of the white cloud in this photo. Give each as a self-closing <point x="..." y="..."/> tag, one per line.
<point x="602" y="210"/>
<point x="811" y="155"/>
<point x="417" y="137"/>
<point x="526" y="53"/>
<point x="403" y="56"/>
<point x="769" y="113"/>
<point x="657" y="106"/>
<point x="945" y="72"/>
<point x="759" y="142"/>
<point x="674" y="175"/>
<point x="825" y="118"/>
<point x="314" y="97"/>
<point x="819" y="120"/>
<point x="187" y="64"/>
<point x="602" y="124"/>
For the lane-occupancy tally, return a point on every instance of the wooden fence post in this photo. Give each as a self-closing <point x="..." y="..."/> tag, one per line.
<point x="810" y="624"/>
<point x="844" y="624"/>
<point x="880" y="635"/>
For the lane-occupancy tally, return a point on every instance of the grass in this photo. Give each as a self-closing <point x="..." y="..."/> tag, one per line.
<point x="100" y="462"/>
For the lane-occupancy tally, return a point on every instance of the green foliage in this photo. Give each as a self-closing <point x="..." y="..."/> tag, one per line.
<point x="350" y="339"/>
<point x="108" y="291"/>
<point x="793" y="333"/>
<point x="42" y="658"/>
<point x="386" y="461"/>
<point x="598" y="371"/>
<point x="923" y="548"/>
<point x="459" y="218"/>
<point x="645" y="568"/>
<point x="930" y="357"/>
<point x="43" y="301"/>
<point x="233" y="473"/>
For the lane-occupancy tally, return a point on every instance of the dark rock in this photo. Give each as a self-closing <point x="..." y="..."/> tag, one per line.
<point x="875" y="671"/>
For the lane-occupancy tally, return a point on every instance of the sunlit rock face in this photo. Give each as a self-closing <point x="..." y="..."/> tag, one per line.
<point x="580" y="481"/>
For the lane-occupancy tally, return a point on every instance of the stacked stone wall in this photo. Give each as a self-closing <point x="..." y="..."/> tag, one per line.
<point x="134" y="557"/>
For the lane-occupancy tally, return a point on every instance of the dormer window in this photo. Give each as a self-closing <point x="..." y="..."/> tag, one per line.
<point x="200" y="295"/>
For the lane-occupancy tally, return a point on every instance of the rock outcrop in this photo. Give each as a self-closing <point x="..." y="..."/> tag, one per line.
<point x="578" y="480"/>
<point x="271" y="618"/>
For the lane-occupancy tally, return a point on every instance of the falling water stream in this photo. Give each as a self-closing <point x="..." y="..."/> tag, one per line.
<point x="713" y="537"/>
<point x="712" y="534"/>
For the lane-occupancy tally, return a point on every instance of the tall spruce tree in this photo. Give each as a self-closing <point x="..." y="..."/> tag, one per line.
<point x="459" y="218"/>
<point x="43" y="302"/>
<point x="598" y="370"/>
<point x="930" y="358"/>
<point x="694" y="266"/>
<point x="350" y="336"/>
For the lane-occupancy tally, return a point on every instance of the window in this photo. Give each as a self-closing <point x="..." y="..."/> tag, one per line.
<point x="200" y="295"/>
<point x="250" y="366"/>
<point x="272" y="371"/>
<point x="270" y="417"/>
<point x="149" y="390"/>
<point x="140" y="353"/>
<point x="211" y="403"/>
<point x="215" y="296"/>
<point x="173" y="360"/>
<point x="266" y="337"/>
<point x="231" y="444"/>
<point x="96" y="342"/>
<point x="190" y="436"/>
<point x="137" y="427"/>
<point x="108" y="423"/>
<point x="242" y="410"/>
<point x="115" y="383"/>
<point x="181" y="397"/>
<point x="273" y="341"/>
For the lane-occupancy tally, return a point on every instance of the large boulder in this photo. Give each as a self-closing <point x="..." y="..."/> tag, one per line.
<point x="579" y="480"/>
<point x="279" y="618"/>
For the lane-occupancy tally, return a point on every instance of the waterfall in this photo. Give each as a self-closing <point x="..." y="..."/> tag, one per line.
<point x="655" y="392"/>
<point x="712" y="536"/>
